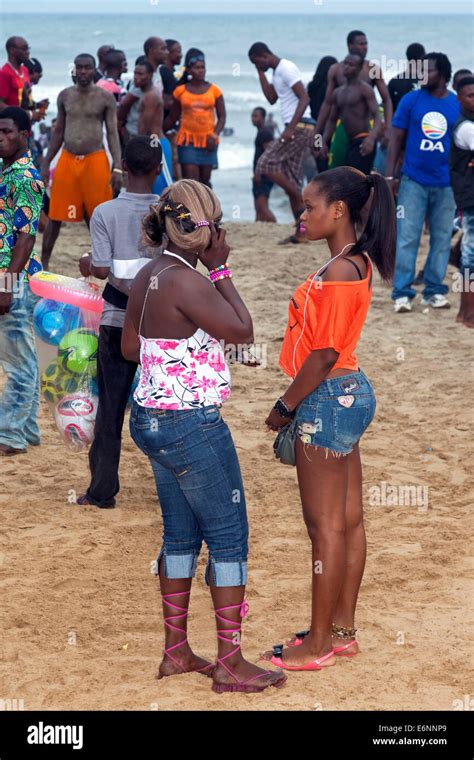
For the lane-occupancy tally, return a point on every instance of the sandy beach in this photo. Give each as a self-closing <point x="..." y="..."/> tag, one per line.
<point x="81" y="618"/>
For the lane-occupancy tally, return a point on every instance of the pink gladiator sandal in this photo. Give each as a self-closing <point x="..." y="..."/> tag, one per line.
<point x="183" y="613"/>
<point x="247" y="686"/>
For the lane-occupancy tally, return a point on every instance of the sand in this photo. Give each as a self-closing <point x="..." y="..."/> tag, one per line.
<point x="81" y="620"/>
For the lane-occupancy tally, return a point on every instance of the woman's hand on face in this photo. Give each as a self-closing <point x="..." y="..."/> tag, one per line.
<point x="218" y="250"/>
<point x="275" y="421"/>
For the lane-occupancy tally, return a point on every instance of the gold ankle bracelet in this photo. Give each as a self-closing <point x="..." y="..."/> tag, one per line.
<point x="343" y="633"/>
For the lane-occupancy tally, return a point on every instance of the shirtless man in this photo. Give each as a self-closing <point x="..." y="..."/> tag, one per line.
<point x="82" y="177"/>
<point x="370" y="73"/>
<point x="141" y="110"/>
<point x="355" y="105"/>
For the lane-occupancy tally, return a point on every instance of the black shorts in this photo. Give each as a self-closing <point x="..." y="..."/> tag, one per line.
<point x="356" y="159"/>
<point x="262" y="188"/>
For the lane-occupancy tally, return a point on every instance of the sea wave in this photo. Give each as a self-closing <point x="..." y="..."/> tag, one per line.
<point x="234" y="155"/>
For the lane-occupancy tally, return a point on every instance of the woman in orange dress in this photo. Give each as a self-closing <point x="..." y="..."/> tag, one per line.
<point x="199" y="107"/>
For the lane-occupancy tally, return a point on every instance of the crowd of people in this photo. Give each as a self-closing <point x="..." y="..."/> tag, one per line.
<point x="136" y="164"/>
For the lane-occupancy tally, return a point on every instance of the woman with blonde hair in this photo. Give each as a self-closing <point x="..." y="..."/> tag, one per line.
<point x="175" y="322"/>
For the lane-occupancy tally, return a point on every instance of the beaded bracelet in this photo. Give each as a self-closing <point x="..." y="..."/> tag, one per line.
<point x="217" y="269"/>
<point x="223" y="274"/>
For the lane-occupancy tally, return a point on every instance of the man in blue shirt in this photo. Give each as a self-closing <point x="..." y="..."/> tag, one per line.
<point x="424" y="121"/>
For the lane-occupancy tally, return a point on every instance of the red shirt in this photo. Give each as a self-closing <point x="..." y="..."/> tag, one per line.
<point x="12" y="84"/>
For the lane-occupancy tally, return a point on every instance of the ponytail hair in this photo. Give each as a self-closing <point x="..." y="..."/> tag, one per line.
<point x="371" y="206"/>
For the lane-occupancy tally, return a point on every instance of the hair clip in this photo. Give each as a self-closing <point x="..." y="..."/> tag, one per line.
<point x="184" y="215"/>
<point x="202" y="223"/>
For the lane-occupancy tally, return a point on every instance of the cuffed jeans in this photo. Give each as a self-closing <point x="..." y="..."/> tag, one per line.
<point x="115" y="379"/>
<point x="20" y="399"/>
<point x="415" y="203"/>
<point x="200" y="489"/>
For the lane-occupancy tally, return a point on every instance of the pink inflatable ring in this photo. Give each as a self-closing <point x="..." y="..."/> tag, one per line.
<point x="58" y="287"/>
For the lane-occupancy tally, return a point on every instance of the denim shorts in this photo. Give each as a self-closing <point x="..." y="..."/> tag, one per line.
<point x="336" y="414"/>
<point x="188" y="154"/>
<point x="200" y="490"/>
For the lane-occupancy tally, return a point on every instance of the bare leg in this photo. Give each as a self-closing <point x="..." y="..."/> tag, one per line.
<point x="263" y="211"/>
<point x="190" y="171"/>
<point x="323" y="482"/>
<point x="292" y="190"/>
<point x="182" y="658"/>
<point x="356" y="547"/>
<point x="205" y="175"/>
<point x="230" y="642"/>
<point x="50" y="236"/>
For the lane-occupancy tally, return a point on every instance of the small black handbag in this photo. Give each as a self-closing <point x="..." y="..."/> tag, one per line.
<point x="284" y="444"/>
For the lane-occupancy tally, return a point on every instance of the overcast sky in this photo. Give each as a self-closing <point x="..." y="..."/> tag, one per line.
<point x="237" y="6"/>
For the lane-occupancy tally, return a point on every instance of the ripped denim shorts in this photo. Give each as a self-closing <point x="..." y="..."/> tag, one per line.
<point x="335" y="415"/>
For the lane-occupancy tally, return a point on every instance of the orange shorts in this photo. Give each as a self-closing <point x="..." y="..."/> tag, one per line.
<point x="79" y="183"/>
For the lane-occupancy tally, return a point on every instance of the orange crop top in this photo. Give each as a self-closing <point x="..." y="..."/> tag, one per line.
<point x="335" y="315"/>
<point x="197" y="115"/>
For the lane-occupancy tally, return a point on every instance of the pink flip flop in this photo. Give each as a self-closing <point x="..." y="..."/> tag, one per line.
<point x="312" y="665"/>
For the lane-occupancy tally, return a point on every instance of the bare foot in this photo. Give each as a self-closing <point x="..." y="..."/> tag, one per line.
<point x="305" y="653"/>
<point x="468" y="320"/>
<point x="336" y="642"/>
<point x="188" y="661"/>
<point x="8" y="451"/>
<point x="243" y="671"/>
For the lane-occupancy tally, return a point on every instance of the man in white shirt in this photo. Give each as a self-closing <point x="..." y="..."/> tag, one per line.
<point x="283" y="160"/>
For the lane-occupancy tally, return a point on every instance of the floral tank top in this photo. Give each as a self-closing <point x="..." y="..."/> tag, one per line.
<point x="181" y="373"/>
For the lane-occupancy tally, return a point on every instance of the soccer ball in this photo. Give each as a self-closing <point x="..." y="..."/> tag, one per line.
<point x="56" y="382"/>
<point x="52" y="320"/>
<point x="75" y="418"/>
<point x="78" y="351"/>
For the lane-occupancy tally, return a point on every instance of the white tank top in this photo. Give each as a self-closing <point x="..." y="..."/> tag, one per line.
<point x="181" y="373"/>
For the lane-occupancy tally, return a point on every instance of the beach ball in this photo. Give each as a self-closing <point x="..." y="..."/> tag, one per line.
<point x="56" y="382"/>
<point x="52" y="320"/>
<point x="74" y="416"/>
<point x="78" y="351"/>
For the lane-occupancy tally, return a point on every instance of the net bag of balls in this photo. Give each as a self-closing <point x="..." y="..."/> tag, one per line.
<point x="66" y="324"/>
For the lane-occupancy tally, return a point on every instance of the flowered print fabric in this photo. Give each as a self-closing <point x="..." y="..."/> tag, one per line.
<point x="182" y="374"/>
<point x="21" y="201"/>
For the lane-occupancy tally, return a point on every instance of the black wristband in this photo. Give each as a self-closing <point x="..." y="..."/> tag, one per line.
<point x="282" y="409"/>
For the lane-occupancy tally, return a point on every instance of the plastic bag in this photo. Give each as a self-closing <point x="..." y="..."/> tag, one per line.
<point x="67" y="341"/>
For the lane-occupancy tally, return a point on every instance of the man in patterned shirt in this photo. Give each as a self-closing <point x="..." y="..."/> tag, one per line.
<point x="21" y="197"/>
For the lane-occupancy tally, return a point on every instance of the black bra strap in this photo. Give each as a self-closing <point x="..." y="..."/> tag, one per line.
<point x="353" y="262"/>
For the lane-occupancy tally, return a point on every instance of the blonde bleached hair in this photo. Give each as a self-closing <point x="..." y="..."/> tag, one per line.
<point x="175" y="215"/>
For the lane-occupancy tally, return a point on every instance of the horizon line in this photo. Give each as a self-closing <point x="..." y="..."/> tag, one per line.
<point x="273" y="12"/>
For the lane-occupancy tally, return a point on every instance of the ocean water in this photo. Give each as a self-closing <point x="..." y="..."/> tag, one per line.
<point x="56" y="39"/>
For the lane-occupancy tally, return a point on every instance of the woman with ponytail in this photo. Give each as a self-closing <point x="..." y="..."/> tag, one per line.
<point x="330" y="401"/>
<point x="176" y="322"/>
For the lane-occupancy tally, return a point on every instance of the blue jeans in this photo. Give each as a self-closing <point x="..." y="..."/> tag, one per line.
<point x="20" y="399"/>
<point x="337" y="413"/>
<point x="200" y="489"/>
<point x="467" y="242"/>
<point x="415" y="202"/>
<point x="380" y="163"/>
